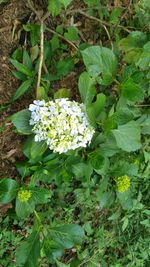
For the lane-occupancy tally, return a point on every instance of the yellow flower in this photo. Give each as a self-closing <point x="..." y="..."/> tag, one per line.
<point x="24" y="195"/>
<point x="123" y="183"/>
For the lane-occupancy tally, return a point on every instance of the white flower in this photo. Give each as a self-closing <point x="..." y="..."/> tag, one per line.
<point x="62" y="123"/>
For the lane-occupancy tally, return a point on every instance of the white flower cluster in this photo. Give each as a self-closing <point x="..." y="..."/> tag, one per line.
<point x="62" y="123"/>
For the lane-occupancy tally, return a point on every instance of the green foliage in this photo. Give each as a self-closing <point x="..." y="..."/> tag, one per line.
<point x="56" y="193"/>
<point x="128" y="136"/>
<point x="29" y="251"/>
<point x="21" y="121"/>
<point x="8" y="190"/>
<point x="100" y="61"/>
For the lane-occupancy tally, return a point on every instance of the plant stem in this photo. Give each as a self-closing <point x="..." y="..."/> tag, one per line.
<point x="63" y="38"/>
<point x="41" y="58"/>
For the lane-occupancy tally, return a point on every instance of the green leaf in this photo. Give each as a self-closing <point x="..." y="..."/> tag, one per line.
<point x="34" y="52"/>
<point x="96" y="159"/>
<point x="41" y="93"/>
<point x="21" y="121"/>
<point x="38" y="149"/>
<point x="135" y="39"/>
<point x="19" y="66"/>
<point x="106" y="199"/>
<point x="63" y="93"/>
<point x="132" y="91"/>
<point x="8" y="190"/>
<point x="125" y="223"/>
<point x="67" y="235"/>
<point x="60" y="264"/>
<point x="54" y="42"/>
<point x="100" y="61"/>
<point x="54" y="7"/>
<point x="66" y="3"/>
<point x="17" y="54"/>
<point x="94" y="110"/>
<point x="27" y="60"/>
<point x="128" y="136"/>
<point x="86" y="88"/>
<point x="40" y="195"/>
<point x="28" y="251"/>
<point x="23" y="88"/>
<point x="52" y="250"/>
<point x="82" y="170"/>
<point x="64" y="66"/>
<point x="24" y="209"/>
<point x="115" y="14"/>
<point x="72" y="34"/>
<point x="19" y="75"/>
<point x="125" y="200"/>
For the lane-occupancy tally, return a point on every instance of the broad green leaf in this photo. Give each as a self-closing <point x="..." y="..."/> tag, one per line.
<point x="144" y="61"/>
<point x="54" y="7"/>
<point x="67" y="236"/>
<point x="27" y="60"/>
<point x="132" y="91"/>
<point x="28" y="251"/>
<point x="109" y="123"/>
<point x="96" y="159"/>
<point x="24" y="209"/>
<point x="64" y="66"/>
<point x="52" y="250"/>
<point x="109" y="148"/>
<point x="23" y="169"/>
<point x="40" y="195"/>
<point x="27" y="146"/>
<point x="82" y="170"/>
<point x="63" y="93"/>
<point x="125" y="200"/>
<point x="8" y="190"/>
<point x="106" y="199"/>
<point x="72" y="34"/>
<point x="66" y="2"/>
<point x="86" y="88"/>
<point x="101" y="63"/>
<point x="41" y="93"/>
<point x="21" y="121"/>
<point x="23" y="88"/>
<point x="94" y="109"/>
<point x="145" y="124"/>
<point x="128" y="136"/>
<point x="19" y="66"/>
<point x="135" y="39"/>
<point x="60" y="264"/>
<point x="38" y="149"/>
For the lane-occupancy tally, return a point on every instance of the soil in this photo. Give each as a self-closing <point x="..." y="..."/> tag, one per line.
<point x="11" y="16"/>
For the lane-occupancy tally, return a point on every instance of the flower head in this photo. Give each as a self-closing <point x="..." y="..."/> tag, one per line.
<point x="62" y="123"/>
<point x="123" y="183"/>
<point x="24" y="195"/>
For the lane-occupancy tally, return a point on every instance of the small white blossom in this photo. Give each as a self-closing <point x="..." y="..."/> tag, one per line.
<point x="62" y="123"/>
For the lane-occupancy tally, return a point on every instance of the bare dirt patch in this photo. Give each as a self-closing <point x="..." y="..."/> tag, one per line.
<point x="11" y="16"/>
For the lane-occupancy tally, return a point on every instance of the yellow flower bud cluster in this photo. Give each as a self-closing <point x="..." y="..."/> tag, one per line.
<point x="123" y="183"/>
<point x="24" y="195"/>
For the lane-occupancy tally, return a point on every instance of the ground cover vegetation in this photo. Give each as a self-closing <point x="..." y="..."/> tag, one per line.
<point x="81" y="195"/>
